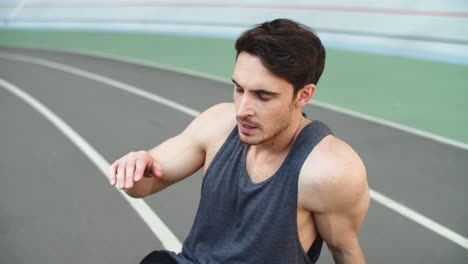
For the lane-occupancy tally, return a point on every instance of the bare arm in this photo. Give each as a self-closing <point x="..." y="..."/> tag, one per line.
<point x="339" y="199"/>
<point x="339" y="228"/>
<point x="145" y="172"/>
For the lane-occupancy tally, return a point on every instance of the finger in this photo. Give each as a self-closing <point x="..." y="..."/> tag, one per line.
<point x="139" y="169"/>
<point x="129" y="173"/>
<point x="156" y="169"/>
<point x="111" y="173"/>
<point x="121" y="174"/>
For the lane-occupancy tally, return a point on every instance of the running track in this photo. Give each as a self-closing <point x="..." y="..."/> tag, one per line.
<point x="56" y="205"/>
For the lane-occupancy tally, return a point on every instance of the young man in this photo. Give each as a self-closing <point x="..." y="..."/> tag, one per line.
<point x="276" y="184"/>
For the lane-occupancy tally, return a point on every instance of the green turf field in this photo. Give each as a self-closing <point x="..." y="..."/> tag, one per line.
<point x="422" y="94"/>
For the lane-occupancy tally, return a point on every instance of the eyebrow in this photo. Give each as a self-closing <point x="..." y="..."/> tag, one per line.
<point x="257" y="91"/>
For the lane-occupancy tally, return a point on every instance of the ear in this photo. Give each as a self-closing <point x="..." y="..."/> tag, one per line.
<point x="305" y="94"/>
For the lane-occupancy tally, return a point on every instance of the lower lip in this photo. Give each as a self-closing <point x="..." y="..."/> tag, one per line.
<point x="247" y="129"/>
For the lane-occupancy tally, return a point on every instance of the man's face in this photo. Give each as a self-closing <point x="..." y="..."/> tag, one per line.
<point x="264" y="102"/>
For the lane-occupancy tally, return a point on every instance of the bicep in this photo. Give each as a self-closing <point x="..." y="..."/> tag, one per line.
<point x="334" y="187"/>
<point x="339" y="227"/>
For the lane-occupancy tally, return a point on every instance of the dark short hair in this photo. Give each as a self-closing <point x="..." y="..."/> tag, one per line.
<point x="288" y="49"/>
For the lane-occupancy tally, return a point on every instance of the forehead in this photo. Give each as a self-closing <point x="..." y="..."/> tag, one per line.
<point x="250" y="73"/>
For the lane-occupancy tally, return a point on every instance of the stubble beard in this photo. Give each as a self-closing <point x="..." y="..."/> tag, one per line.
<point x="277" y="128"/>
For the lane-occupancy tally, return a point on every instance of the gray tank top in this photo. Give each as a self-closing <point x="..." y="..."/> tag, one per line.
<point x="239" y="221"/>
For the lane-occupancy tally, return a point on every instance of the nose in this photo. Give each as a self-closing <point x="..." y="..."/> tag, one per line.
<point x="245" y="107"/>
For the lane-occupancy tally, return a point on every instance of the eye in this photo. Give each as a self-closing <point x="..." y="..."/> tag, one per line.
<point x="237" y="89"/>
<point x="264" y="97"/>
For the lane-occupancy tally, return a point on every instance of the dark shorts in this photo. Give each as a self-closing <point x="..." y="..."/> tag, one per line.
<point x="159" y="257"/>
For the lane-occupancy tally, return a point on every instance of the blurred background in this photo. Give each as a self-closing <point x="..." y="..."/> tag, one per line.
<point x="401" y="61"/>
<point x="392" y="67"/>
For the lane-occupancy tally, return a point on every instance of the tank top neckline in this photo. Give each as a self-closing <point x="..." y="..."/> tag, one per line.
<point x="283" y="164"/>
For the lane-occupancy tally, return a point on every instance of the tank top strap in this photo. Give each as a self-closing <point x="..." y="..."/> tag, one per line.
<point x="308" y="138"/>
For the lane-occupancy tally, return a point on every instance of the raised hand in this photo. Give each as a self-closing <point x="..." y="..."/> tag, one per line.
<point x="132" y="168"/>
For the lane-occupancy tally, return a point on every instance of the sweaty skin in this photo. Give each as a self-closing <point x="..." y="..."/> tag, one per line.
<point x="333" y="196"/>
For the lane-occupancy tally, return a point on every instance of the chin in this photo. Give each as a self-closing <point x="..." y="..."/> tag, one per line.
<point x="250" y="140"/>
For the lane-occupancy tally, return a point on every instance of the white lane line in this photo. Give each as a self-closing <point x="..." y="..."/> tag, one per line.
<point x="420" y="219"/>
<point x="377" y="197"/>
<point x="391" y="124"/>
<point x="157" y="226"/>
<point x="101" y="79"/>
<point x="331" y="107"/>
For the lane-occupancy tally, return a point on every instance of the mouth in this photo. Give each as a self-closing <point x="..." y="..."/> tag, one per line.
<point x="247" y="128"/>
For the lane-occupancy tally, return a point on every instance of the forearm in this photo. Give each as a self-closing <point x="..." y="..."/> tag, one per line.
<point x="146" y="186"/>
<point x="141" y="188"/>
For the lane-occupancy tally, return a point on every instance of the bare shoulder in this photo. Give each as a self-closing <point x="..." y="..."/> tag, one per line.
<point x="332" y="177"/>
<point x="213" y="124"/>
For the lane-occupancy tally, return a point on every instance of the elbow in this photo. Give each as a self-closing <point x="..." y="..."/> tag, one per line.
<point x="347" y="255"/>
<point x="337" y="253"/>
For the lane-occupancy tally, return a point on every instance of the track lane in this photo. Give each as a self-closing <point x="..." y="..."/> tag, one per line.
<point x="155" y="224"/>
<point x="55" y="206"/>
<point x="373" y="231"/>
<point x="111" y="121"/>
<point x="429" y="174"/>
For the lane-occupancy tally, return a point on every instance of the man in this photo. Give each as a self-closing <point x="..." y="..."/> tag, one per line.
<point x="276" y="184"/>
